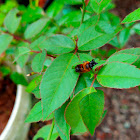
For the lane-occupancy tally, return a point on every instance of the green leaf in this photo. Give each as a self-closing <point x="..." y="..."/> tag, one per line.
<point x="89" y="22"/>
<point x="38" y="60"/>
<point x="133" y="51"/>
<point x="72" y="113"/>
<point x="108" y="22"/>
<point x="36" y="92"/>
<point x="35" y="28"/>
<point x="73" y="2"/>
<point x="119" y="75"/>
<point x="21" y="60"/>
<point x="103" y="5"/>
<point x="35" y="114"/>
<point x="122" y="57"/>
<point x="44" y="133"/>
<point x="84" y="57"/>
<point x="5" y="8"/>
<point x="110" y="18"/>
<point x="32" y="14"/>
<point x="91" y="39"/>
<point x="63" y="137"/>
<point x="35" y="45"/>
<point x="103" y="115"/>
<point x="61" y="122"/>
<point x="48" y="62"/>
<point x="69" y="20"/>
<point x="5" y="70"/>
<point x="18" y="78"/>
<point x="100" y="63"/>
<point x="124" y="36"/>
<point x="55" y="8"/>
<point x="20" y="51"/>
<point x="58" y="83"/>
<point x="5" y="40"/>
<point x="91" y="109"/>
<point x="58" y="44"/>
<point x="11" y="21"/>
<point x="136" y="29"/>
<point x="98" y="7"/>
<point x="134" y="16"/>
<point x="84" y="82"/>
<point x="2" y="16"/>
<point x="34" y="83"/>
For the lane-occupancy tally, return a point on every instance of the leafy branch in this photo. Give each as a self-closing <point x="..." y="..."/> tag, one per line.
<point x="41" y="52"/>
<point x="17" y="37"/>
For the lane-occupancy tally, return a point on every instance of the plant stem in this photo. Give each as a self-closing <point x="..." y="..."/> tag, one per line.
<point x="17" y="37"/>
<point x="36" y="3"/>
<point x="76" y="48"/>
<point x="50" y="134"/>
<point x="41" y="52"/>
<point x="83" y="13"/>
<point x="93" y="80"/>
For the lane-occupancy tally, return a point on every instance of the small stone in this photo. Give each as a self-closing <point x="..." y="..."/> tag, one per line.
<point x="127" y="125"/>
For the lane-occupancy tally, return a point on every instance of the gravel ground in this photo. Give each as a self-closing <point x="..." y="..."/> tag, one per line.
<point x="122" y="121"/>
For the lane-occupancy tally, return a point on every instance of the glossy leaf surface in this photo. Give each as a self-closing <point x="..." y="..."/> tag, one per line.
<point x="126" y="58"/>
<point x="72" y="113"/>
<point x="11" y="21"/>
<point x="134" y="16"/>
<point x="99" y="6"/>
<point x="58" y="44"/>
<point x="119" y="75"/>
<point x="91" y="38"/>
<point x="18" y="78"/>
<point x="34" y="28"/>
<point x="58" y="83"/>
<point x="61" y="122"/>
<point x="43" y="133"/>
<point x="91" y="109"/>
<point x="34" y="83"/>
<point x="5" y="40"/>
<point x="38" y="60"/>
<point x="35" y="114"/>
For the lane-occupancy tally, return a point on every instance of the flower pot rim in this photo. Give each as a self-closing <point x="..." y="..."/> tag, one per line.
<point x="15" y="109"/>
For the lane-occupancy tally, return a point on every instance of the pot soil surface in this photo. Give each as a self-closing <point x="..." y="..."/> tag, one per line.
<point x="7" y="99"/>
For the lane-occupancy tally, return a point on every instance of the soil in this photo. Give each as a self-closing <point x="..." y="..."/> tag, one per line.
<point x="122" y="121"/>
<point x="7" y="99"/>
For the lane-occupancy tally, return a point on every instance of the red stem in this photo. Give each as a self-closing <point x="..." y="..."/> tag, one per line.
<point x="93" y="80"/>
<point x="76" y="48"/>
<point x="95" y="76"/>
<point x="36" y="51"/>
<point x="47" y="54"/>
<point x="18" y="38"/>
<point x="51" y="56"/>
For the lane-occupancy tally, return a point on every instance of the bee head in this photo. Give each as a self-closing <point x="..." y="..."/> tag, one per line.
<point x="92" y="63"/>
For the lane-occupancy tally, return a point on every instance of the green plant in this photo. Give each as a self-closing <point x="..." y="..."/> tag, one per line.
<point x="56" y="40"/>
<point x="6" y="71"/>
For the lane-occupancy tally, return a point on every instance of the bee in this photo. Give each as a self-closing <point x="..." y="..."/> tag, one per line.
<point x="85" y="67"/>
